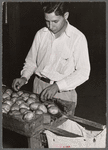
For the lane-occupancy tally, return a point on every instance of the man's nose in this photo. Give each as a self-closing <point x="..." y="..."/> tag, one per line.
<point x="50" y="25"/>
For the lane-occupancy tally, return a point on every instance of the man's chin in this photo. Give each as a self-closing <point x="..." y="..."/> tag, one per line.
<point x="53" y="31"/>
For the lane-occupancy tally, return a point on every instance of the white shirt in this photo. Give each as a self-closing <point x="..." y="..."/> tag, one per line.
<point x="64" y="59"/>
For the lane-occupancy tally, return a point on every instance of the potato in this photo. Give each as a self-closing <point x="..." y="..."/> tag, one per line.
<point x="14" y="112"/>
<point x="6" y="107"/>
<point x="30" y="101"/>
<point x="27" y="111"/>
<point x="14" y="94"/>
<point x="29" y="116"/>
<point x="14" y="99"/>
<point x="8" y="98"/>
<point x="4" y="111"/>
<point x="6" y="95"/>
<point x="8" y="102"/>
<point x="9" y="91"/>
<point x="23" y="110"/>
<point x="19" y="102"/>
<point x="24" y="105"/>
<point x="25" y="98"/>
<point x="4" y="99"/>
<point x="20" y="93"/>
<point x="34" y="106"/>
<point x="25" y="95"/>
<point x="15" y="107"/>
<point x="38" y="112"/>
<point x="53" y="110"/>
<point x="20" y="98"/>
<point x="43" y="108"/>
<point x="33" y="96"/>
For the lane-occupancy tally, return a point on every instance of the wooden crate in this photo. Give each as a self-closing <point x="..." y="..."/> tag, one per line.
<point x="18" y="125"/>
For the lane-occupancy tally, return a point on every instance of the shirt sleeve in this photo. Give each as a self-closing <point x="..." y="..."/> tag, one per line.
<point x="81" y="65"/>
<point x="30" y="61"/>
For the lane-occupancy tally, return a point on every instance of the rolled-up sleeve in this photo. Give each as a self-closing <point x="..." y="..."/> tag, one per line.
<point x="81" y="64"/>
<point x="30" y="61"/>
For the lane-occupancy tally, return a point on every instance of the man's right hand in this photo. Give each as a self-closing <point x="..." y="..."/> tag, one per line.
<point x="18" y="83"/>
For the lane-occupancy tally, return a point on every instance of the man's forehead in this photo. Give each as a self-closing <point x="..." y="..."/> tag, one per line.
<point x="52" y="16"/>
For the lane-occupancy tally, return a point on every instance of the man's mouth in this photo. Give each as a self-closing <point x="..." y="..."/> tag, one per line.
<point x="52" y="30"/>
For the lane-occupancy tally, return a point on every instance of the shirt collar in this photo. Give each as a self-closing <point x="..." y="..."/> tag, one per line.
<point x="67" y="30"/>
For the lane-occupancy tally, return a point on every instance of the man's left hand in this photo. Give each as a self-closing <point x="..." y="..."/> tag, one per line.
<point x="49" y="92"/>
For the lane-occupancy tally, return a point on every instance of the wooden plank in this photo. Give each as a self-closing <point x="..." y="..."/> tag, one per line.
<point x="59" y="121"/>
<point x="35" y="142"/>
<point x="86" y="122"/>
<point x="73" y="108"/>
<point x="60" y="132"/>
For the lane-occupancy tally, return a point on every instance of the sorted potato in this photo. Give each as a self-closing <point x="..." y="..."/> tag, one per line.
<point x="34" y="106"/>
<point x="24" y="105"/>
<point x="25" y="98"/>
<point x="20" y="98"/>
<point x="30" y="101"/>
<point x="14" y="107"/>
<point x="9" y="91"/>
<point x="39" y="112"/>
<point x="14" y="94"/>
<point x="4" y="111"/>
<point x="19" y="102"/>
<point x="4" y="99"/>
<point x="33" y="96"/>
<point x="25" y="95"/>
<point x="8" y="102"/>
<point x="13" y="99"/>
<point x="53" y="110"/>
<point x="14" y="112"/>
<point x="6" y="107"/>
<point x="20" y="93"/>
<point x="27" y="111"/>
<point x="29" y="116"/>
<point x="23" y="110"/>
<point x="43" y="108"/>
<point x="6" y="95"/>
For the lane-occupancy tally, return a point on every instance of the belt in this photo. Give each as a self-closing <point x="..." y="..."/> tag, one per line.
<point x="43" y="79"/>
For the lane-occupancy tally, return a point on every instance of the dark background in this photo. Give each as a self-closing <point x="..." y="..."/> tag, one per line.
<point x="24" y="19"/>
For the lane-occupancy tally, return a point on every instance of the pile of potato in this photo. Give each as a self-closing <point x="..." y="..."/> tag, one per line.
<point x="25" y="104"/>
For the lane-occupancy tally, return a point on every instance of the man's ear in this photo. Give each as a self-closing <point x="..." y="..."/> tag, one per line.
<point x="66" y="15"/>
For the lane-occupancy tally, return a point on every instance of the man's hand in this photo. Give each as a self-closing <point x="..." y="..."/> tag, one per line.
<point x="49" y="92"/>
<point x="18" y="83"/>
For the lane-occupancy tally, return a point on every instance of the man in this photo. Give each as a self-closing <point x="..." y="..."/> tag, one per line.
<point x="58" y="57"/>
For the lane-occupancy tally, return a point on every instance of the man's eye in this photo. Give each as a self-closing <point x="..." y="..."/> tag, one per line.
<point x="55" y="21"/>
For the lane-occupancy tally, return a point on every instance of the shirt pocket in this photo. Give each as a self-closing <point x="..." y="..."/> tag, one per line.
<point x="63" y="63"/>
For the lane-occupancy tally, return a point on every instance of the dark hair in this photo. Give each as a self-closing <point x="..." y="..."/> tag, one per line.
<point x="58" y="7"/>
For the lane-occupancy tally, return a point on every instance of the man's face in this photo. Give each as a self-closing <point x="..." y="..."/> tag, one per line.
<point x="54" y="23"/>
